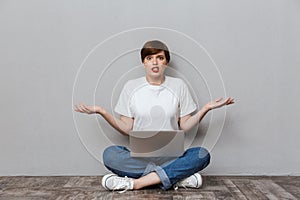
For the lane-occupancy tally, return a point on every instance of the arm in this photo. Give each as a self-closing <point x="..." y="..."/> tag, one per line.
<point x="123" y="125"/>
<point x="187" y="122"/>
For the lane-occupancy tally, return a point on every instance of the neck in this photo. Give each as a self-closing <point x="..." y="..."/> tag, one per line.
<point x="155" y="80"/>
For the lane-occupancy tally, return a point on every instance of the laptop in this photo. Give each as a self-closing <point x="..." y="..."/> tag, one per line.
<point x="156" y="143"/>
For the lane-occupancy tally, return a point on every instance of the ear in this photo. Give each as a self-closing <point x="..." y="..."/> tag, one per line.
<point x="144" y="61"/>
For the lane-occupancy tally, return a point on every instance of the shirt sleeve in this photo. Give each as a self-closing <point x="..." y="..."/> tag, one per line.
<point x="187" y="104"/>
<point x="123" y="105"/>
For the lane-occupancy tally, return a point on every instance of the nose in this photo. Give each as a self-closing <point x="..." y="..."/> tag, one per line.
<point x="154" y="61"/>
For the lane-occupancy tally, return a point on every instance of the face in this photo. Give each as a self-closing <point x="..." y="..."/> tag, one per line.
<point x="155" y="64"/>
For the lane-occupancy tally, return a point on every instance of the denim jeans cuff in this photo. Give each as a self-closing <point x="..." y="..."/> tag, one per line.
<point x="151" y="167"/>
<point x="166" y="184"/>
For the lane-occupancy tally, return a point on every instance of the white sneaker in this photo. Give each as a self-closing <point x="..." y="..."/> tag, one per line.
<point x="114" y="182"/>
<point x="193" y="181"/>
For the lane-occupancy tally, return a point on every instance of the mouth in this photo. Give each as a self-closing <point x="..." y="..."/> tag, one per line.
<point x="155" y="69"/>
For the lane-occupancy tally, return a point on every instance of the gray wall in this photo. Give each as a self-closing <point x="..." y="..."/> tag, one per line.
<point x="57" y="53"/>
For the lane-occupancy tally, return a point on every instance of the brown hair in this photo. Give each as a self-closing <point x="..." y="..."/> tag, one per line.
<point x="154" y="47"/>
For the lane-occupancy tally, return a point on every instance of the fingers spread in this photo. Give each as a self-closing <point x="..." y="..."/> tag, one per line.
<point x="79" y="109"/>
<point x="84" y="108"/>
<point x="230" y="100"/>
<point x="76" y="108"/>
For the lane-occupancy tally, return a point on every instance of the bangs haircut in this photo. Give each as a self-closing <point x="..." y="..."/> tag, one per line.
<point x="154" y="47"/>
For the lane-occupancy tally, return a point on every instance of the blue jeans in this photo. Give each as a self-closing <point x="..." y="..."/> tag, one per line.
<point x="117" y="159"/>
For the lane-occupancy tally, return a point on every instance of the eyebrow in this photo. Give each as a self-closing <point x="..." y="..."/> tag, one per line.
<point x="156" y="55"/>
<point x="161" y="54"/>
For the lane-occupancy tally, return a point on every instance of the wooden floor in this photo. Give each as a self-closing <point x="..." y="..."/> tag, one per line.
<point x="89" y="187"/>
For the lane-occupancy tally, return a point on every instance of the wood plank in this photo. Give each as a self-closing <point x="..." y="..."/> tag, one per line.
<point x="248" y="189"/>
<point x="272" y="190"/>
<point x="235" y="192"/>
<point x="89" y="187"/>
<point x="78" y="181"/>
<point x="290" y="184"/>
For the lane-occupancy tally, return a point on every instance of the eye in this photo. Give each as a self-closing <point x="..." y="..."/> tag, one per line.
<point x="161" y="58"/>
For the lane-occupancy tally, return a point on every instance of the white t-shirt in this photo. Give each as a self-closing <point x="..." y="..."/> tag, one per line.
<point x="155" y="107"/>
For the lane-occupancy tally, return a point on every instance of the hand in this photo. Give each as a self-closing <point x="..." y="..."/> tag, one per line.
<point x="218" y="103"/>
<point x="82" y="108"/>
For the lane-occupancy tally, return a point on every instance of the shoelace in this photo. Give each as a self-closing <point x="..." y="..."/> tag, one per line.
<point x="182" y="185"/>
<point x="122" y="183"/>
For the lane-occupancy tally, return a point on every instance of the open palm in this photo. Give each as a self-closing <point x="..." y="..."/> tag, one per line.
<point x="219" y="103"/>
<point x="82" y="108"/>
